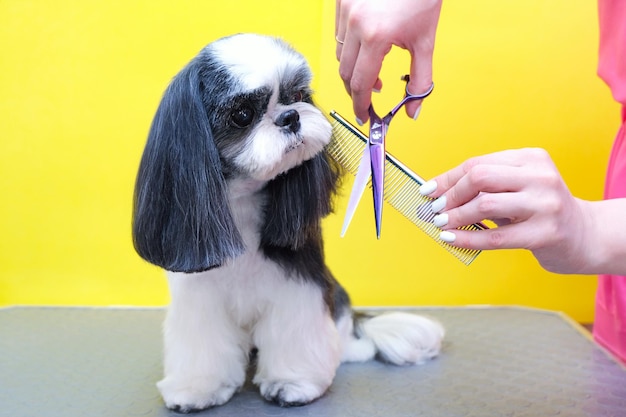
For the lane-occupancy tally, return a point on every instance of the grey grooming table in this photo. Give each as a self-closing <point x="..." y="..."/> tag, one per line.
<point x="496" y="362"/>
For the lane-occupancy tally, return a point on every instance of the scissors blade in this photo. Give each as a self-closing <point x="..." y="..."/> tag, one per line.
<point x="378" y="131"/>
<point x="377" y="157"/>
<point x="360" y="183"/>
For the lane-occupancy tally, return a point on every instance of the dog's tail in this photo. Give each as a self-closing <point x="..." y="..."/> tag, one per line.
<point x="398" y="338"/>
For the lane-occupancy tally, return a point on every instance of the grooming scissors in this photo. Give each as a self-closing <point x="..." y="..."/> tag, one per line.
<point x="373" y="161"/>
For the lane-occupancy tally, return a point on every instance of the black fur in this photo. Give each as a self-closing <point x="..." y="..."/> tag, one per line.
<point x="181" y="218"/>
<point x="298" y="200"/>
<point x="292" y="232"/>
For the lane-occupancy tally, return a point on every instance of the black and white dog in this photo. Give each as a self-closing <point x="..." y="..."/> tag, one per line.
<point x="231" y="190"/>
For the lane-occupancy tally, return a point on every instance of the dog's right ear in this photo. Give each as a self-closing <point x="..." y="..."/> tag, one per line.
<point x="181" y="218"/>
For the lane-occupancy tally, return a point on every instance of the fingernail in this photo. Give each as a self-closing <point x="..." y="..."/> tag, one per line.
<point x="358" y="121"/>
<point x="447" y="237"/>
<point x="440" y="220"/>
<point x="428" y="187"/>
<point x="417" y="112"/>
<point x="375" y="90"/>
<point x="439" y="204"/>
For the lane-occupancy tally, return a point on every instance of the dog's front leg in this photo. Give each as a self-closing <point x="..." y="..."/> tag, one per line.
<point x="298" y="347"/>
<point x="205" y="354"/>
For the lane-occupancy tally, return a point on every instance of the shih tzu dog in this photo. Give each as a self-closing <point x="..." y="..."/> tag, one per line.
<point x="230" y="193"/>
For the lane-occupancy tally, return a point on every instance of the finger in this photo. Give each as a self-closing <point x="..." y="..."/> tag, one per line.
<point x="512" y="236"/>
<point x="378" y="85"/>
<point x="501" y="207"/>
<point x="482" y="190"/>
<point x="420" y="80"/>
<point x="443" y="182"/>
<point x="349" y="53"/>
<point x="365" y="76"/>
<point x="340" y="27"/>
<point x="337" y="15"/>
<point x="338" y="50"/>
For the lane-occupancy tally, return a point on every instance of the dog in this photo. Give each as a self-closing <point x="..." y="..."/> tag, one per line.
<point x="230" y="193"/>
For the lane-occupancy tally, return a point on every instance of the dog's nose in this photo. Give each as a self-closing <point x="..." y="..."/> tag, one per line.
<point x="290" y="120"/>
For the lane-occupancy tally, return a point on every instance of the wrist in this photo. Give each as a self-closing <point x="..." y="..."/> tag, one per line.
<point x="604" y="238"/>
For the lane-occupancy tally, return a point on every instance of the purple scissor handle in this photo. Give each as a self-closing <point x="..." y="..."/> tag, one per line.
<point x="373" y="161"/>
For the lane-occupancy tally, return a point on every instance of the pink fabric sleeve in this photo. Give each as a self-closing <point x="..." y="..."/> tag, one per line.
<point x="609" y="327"/>
<point x="610" y="316"/>
<point x="612" y="51"/>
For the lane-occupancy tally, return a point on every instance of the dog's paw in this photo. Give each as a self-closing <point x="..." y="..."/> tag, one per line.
<point x="191" y="395"/>
<point x="291" y="393"/>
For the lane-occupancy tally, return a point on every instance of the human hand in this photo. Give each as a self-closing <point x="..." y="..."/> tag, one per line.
<point x="367" y="29"/>
<point x="524" y="194"/>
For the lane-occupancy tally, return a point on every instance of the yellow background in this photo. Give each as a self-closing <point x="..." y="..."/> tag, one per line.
<point x="80" y="81"/>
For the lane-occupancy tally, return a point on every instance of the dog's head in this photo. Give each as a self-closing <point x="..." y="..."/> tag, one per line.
<point x="241" y="108"/>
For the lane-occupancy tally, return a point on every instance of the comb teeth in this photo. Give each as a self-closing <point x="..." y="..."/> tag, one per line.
<point x="401" y="184"/>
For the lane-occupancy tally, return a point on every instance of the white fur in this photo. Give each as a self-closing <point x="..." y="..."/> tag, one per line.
<point x="265" y="157"/>
<point x="255" y="59"/>
<point x="353" y="349"/>
<point x="215" y="317"/>
<point x="404" y="339"/>
<point x="398" y="338"/>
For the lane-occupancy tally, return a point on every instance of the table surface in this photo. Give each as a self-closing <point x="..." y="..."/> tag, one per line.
<point x="505" y="361"/>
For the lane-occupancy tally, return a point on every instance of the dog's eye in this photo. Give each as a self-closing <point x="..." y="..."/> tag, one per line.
<point x="242" y="116"/>
<point x="297" y="96"/>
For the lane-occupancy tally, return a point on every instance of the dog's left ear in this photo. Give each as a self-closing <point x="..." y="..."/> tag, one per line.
<point x="182" y="220"/>
<point x="298" y="200"/>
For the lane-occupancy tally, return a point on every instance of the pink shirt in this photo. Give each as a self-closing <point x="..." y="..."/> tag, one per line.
<point x="610" y="318"/>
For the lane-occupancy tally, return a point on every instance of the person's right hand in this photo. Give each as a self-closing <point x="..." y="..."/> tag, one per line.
<point x="367" y="29"/>
<point x="524" y="194"/>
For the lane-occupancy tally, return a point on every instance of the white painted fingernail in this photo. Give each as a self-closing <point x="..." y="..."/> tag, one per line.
<point x="375" y="90"/>
<point x="439" y="204"/>
<point x="447" y="237"/>
<point x="417" y="112"/>
<point x="428" y="187"/>
<point x="359" y="121"/>
<point x="440" y="220"/>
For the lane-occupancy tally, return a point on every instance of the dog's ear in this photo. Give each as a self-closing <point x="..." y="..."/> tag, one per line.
<point x="182" y="220"/>
<point x="298" y="200"/>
